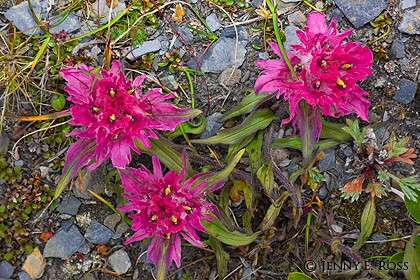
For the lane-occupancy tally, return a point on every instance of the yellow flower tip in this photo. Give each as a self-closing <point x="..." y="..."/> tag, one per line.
<point x="168" y="235"/>
<point x="346" y="66"/>
<point x="116" y="136"/>
<point x="146" y="114"/>
<point x="174" y="219"/>
<point x="112" y="117"/>
<point x="96" y="109"/>
<point x="168" y="190"/>
<point x="112" y="92"/>
<point x="130" y="91"/>
<point x="187" y="208"/>
<point x="323" y="63"/>
<point x="340" y="83"/>
<point x="153" y="218"/>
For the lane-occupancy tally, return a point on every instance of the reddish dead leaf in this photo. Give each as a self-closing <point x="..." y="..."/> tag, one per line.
<point x="45" y="236"/>
<point x="406" y="157"/>
<point x="354" y="186"/>
<point x="102" y="249"/>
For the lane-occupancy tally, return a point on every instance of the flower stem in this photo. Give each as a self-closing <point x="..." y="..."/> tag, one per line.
<point x="307" y="145"/>
<point x="279" y="42"/>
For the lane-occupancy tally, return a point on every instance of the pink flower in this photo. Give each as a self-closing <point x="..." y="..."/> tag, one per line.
<point x="166" y="208"/>
<point x="326" y="68"/>
<point x="114" y="112"/>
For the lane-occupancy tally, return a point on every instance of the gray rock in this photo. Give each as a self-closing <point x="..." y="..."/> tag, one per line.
<point x="411" y="21"/>
<point x="168" y="80"/>
<point x="19" y="162"/>
<point x="113" y="222"/>
<point x="22" y="18"/>
<point x="213" y="22"/>
<point x="328" y="160"/>
<point x="360" y="12"/>
<point x="64" y="243"/>
<point x="297" y="18"/>
<point x="397" y="49"/>
<point x="119" y="261"/>
<point x="69" y="206"/>
<point x="4" y="143"/>
<point x="186" y="35"/>
<point x="347" y="151"/>
<point x="84" y="249"/>
<point x="322" y="193"/>
<point x="24" y="276"/>
<point x="92" y="180"/>
<point x="406" y="92"/>
<point x="211" y="125"/>
<point x="145" y="48"/>
<point x="230" y="76"/>
<point x="97" y="233"/>
<point x="103" y="10"/>
<point x="221" y="55"/>
<point x="408" y="4"/>
<point x="337" y="14"/>
<point x="291" y="37"/>
<point x="6" y="270"/>
<point x="70" y="24"/>
<point x="229" y="32"/>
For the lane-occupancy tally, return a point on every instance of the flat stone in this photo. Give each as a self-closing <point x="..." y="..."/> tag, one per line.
<point x="6" y="270"/>
<point x="24" y="276"/>
<point x="69" y="25"/>
<point x="145" y="48"/>
<point x="113" y="222"/>
<point x="322" y="193"/>
<point x="69" y="206"/>
<point x="411" y="21"/>
<point x="92" y="180"/>
<point x="230" y="76"/>
<point x="211" y="125"/>
<point x="119" y="261"/>
<point x="213" y="22"/>
<point x="35" y="264"/>
<point x="22" y="18"/>
<point x="405" y="4"/>
<point x="229" y="32"/>
<point x="84" y="249"/>
<point x="97" y="233"/>
<point x="406" y="92"/>
<point x="328" y="160"/>
<point x="4" y="143"/>
<point x="221" y="55"/>
<point x="103" y="10"/>
<point x="64" y="243"/>
<point x="186" y="35"/>
<point x="397" y="49"/>
<point x="297" y="18"/>
<point x="360" y="12"/>
<point x="291" y="37"/>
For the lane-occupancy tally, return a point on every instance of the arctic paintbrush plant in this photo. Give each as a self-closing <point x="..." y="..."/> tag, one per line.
<point x="112" y="112"/>
<point x="166" y="208"/>
<point x="323" y="78"/>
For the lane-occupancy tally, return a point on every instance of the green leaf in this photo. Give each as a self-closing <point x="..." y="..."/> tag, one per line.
<point x="273" y="212"/>
<point x="195" y="126"/>
<point x="353" y="129"/>
<point x="414" y="206"/>
<point x="222" y="257"/>
<point x="298" y="276"/>
<point x="234" y="148"/>
<point x="254" y="152"/>
<point x="233" y="238"/>
<point x="58" y="102"/>
<point x="217" y="177"/>
<point x="294" y="142"/>
<point x="368" y="221"/>
<point x="334" y="131"/>
<point x="257" y="120"/>
<point x="166" y="153"/>
<point x="412" y="256"/>
<point x="266" y="177"/>
<point x="247" y="105"/>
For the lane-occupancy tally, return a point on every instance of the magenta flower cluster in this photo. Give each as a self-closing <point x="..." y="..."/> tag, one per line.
<point x="326" y="70"/>
<point x="166" y="208"/>
<point x="114" y="112"/>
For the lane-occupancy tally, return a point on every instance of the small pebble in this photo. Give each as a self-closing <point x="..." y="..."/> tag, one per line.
<point x="35" y="264"/>
<point x="119" y="261"/>
<point x="97" y="233"/>
<point x="406" y="92"/>
<point x="6" y="270"/>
